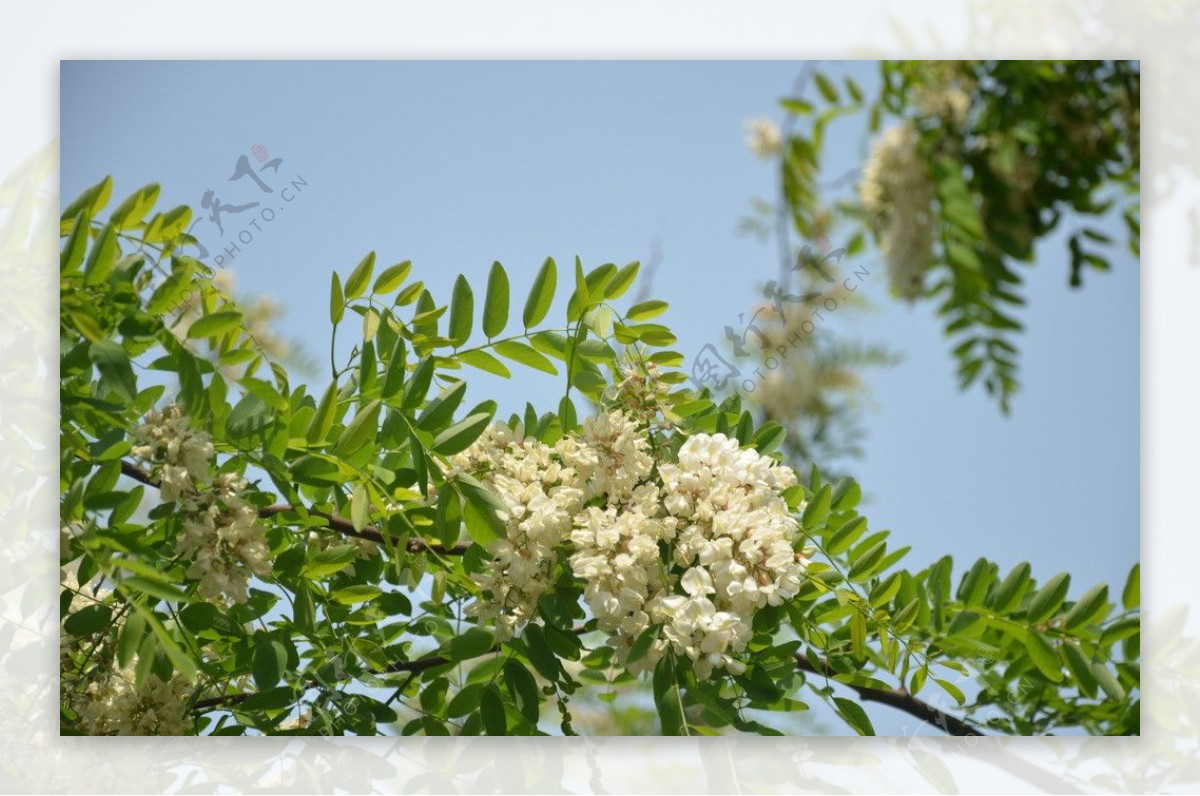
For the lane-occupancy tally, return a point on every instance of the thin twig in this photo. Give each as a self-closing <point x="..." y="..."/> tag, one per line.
<point x="333" y="522"/>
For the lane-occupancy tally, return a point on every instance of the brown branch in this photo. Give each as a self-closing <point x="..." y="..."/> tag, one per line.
<point x="333" y="522"/>
<point x="897" y="698"/>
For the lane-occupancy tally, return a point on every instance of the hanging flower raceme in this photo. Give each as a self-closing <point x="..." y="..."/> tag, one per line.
<point x="221" y="535"/>
<point x="542" y="493"/>
<point x="695" y="544"/>
<point x="897" y="189"/>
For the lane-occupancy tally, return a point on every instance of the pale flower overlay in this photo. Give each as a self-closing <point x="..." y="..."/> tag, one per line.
<point x="34" y="760"/>
<point x="897" y="189"/>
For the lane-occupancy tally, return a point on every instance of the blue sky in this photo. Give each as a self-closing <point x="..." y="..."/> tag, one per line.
<point x="456" y="164"/>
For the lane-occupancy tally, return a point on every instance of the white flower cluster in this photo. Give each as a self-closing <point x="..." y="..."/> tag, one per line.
<point x="182" y="454"/>
<point x="221" y="535"/>
<point x="763" y="138"/>
<point x="114" y="705"/>
<point x="950" y="102"/>
<point x="222" y="538"/>
<point x="111" y="704"/>
<point x="542" y="495"/>
<point x="735" y="541"/>
<point x="897" y="188"/>
<point x="695" y="546"/>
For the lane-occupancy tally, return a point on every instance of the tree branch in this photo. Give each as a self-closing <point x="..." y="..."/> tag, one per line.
<point x="897" y="698"/>
<point x="333" y="522"/>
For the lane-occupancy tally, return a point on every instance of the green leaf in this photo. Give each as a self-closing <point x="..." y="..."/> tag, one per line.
<point x="393" y="379"/>
<point x="462" y="311"/>
<point x="418" y="385"/>
<point x="854" y="715"/>
<point x="491" y="710"/>
<point x="337" y="301"/>
<point x="524" y="689"/>
<point x="485" y="362"/>
<point x="440" y="410"/>
<point x="392" y="278"/>
<point x="330" y="560"/>
<point x="474" y="642"/>
<point x="858" y="635"/>
<point x="622" y="281"/>
<point x="845" y="536"/>
<point x="1048" y="598"/>
<point x="360" y="506"/>
<point x="410" y="294"/>
<point x="540" y="654"/>
<point x="642" y="645"/>
<point x="350" y="595"/>
<point x="91" y="201"/>
<point x="459" y="436"/>
<point x="1087" y="608"/>
<point x="567" y="414"/>
<point x="1108" y="682"/>
<point x="541" y="295"/>
<point x="1131" y="595"/>
<point x="817" y="510"/>
<point x="304" y="612"/>
<point x="581" y="299"/>
<point x="963" y="621"/>
<point x="88" y="620"/>
<point x="797" y="106"/>
<point x="1008" y="594"/>
<point x="526" y="355"/>
<point x="272" y="699"/>
<point x="131" y="212"/>
<point x="827" y="89"/>
<point x="204" y="616"/>
<point x="268" y="663"/>
<point x="479" y="511"/>
<point x="75" y="248"/>
<point x="360" y="277"/>
<point x="115" y="369"/>
<point x="495" y="306"/>
<point x="465" y="701"/>
<point x="132" y="633"/>
<point x="362" y="429"/>
<point x="214" y="325"/>
<point x="154" y="588"/>
<point x="646" y="310"/>
<point x="667" y="697"/>
<point x="1080" y="669"/>
<point x="864" y="564"/>
<point x="953" y="690"/>
<point x="102" y="257"/>
<point x="179" y="659"/>
<point x="1043" y="656"/>
<point x="855" y="92"/>
<point x="322" y="422"/>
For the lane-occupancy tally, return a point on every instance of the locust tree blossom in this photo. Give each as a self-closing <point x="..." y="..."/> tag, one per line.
<point x="221" y="535"/>
<point x="897" y="189"/>
<point x="116" y="705"/>
<point x="542" y="493"/>
<point x="763" y="138"/>
<point x="694" y="545"/>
